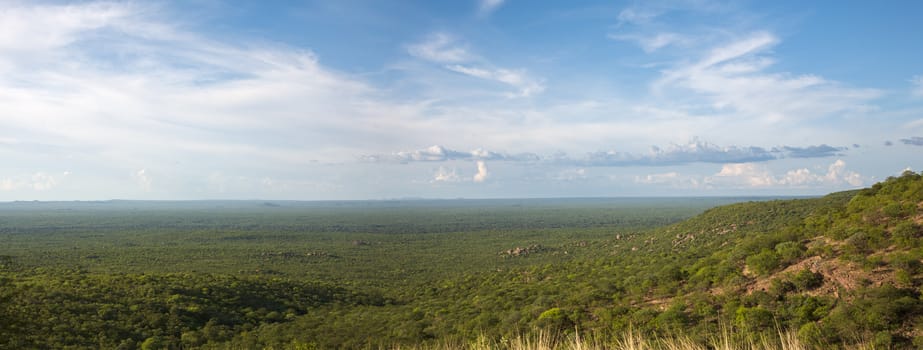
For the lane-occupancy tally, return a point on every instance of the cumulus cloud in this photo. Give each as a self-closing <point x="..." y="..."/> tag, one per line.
<point x="913" y="141"/>
<point x="446" y="175"/>
<point x="482" y="174"/>
<point x="671" y="179"/>
<point x="143" y="179"/>
<point x="43" y="182"/>
<point x="38" y="181"/>
<point x="750" y="175"/>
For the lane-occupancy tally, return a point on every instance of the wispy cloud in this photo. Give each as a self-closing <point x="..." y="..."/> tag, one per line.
<point x="107" y="86"/>
<point x="34" y="29"/>
<point x="917" y="82"/>
<point x="486" y="7"/>
<point x="732" y="76"/>
<point x="517" y="79"/>
<point x="444" y="49"/>
<point x="654" y="42"/>
<point x="440" y="47"/>
<point x="638" y="15"/>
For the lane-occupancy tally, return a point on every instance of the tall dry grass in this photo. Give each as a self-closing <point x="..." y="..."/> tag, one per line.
<point x="629" y="341"/>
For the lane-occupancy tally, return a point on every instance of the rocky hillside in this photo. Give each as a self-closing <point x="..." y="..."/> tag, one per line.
<point x="842" y="267"/>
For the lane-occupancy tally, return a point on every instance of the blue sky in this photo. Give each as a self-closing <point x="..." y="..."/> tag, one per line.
<point x="310" y="100"/>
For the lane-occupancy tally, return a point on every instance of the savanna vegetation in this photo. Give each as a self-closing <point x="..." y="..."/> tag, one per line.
<point x="830" y="272"/>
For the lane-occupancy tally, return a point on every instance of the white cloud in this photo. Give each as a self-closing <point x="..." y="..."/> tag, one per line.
<point x="105" y="85"/>
<point x="637" y="15"/>
<point x="487" y="6"/>
<point x="144" y="180"/>
<point x="38" y="181"/>
<point x="749" y="175"/>
<point x="733" y="78"/>
<point x="444" y="174"/>
<point x="482" y="174"/>
<point x="518" y="79"/>
<point x="670" y="179"/>
<point x="571" y="175"/>
<point x="917" y="82"/>
<point x="122" y="94"/>
<point x="654" y="42"/>
<point x="43" y="182"/>
<point x="437" y="153"/>
<point x="440" y="47"/>
<point x="657" y="178"/>
<point x="38" y="28"/>
<point x="837" y="173"/>
<point x="7" y="185"/>
<point x="443" y="49"/>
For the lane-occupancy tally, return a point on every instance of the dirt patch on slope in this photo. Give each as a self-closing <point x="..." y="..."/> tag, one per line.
<point x="838" y="276"/>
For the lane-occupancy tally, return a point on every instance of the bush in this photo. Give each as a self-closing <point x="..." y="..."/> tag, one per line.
<point x="753" y="319"/>
<point x="790" y="252"/>
<point x="806" y="280"/>
<point x="553" y="318"/>
<point x="764" y="262"/>
<point x="906" y="235"/>
<point x="810" y="334"/>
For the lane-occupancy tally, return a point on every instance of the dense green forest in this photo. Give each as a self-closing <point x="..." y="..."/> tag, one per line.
<point x="835" y="271"/>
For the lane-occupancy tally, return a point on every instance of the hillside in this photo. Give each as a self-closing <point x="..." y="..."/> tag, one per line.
<point x="837" y="270"/>
<point x="834" y="271"/>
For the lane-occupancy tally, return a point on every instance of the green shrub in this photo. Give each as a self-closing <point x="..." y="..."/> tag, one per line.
<point x="882" y="340"/>
<point x="906" y="235"/>
<point x="763" y="262"/>
<point x="753" y="319"/>
<point x="553" y="318"/>
<point x="806" y="280"/>
<point x="790" y="252"/>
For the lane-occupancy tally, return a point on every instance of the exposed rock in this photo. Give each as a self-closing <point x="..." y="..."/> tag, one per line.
<point x="520" y="251"/>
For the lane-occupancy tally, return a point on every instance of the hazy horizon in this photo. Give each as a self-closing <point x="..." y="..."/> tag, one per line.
<point x="370" y="100"/>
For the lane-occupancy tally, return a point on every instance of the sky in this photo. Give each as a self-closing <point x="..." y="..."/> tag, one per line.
<point x="349" y="99"/>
